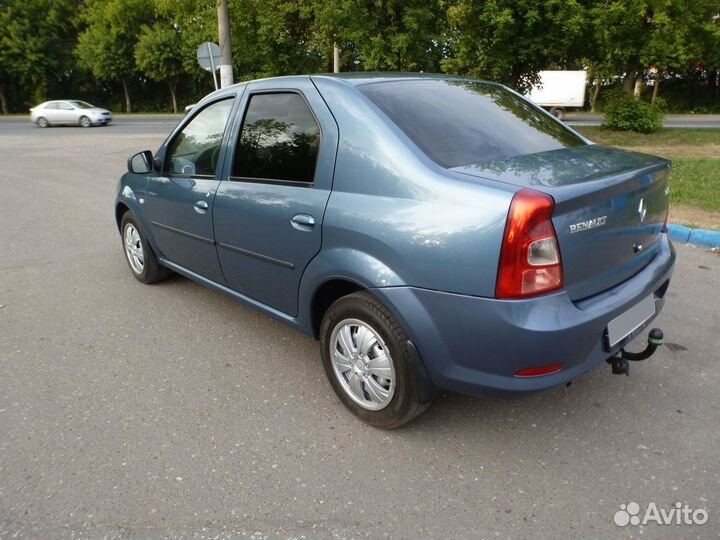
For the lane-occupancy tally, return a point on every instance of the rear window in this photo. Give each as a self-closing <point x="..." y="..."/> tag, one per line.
<point x="461" y="122"/>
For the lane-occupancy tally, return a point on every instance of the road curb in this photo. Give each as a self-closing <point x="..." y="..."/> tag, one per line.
<point x="698" y="237"/>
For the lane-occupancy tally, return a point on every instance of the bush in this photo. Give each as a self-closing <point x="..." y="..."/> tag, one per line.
<point x="661" y="104"/>
<point x="626" y="113"/>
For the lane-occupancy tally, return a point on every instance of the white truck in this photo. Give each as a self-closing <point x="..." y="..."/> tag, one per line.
<point x="559" y="90"/>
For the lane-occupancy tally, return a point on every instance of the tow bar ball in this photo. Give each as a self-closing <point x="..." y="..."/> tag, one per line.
<point x="619" y="363"/>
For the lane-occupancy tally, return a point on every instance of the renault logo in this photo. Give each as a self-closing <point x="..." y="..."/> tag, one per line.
<point x="642" y="210"/>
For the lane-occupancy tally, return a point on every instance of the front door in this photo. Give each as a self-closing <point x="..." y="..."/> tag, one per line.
<point x="180" y="198"/>
<point x="270" y="206"/>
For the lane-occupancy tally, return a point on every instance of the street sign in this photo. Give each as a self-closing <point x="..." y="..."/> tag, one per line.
<point x="209" y="57"/>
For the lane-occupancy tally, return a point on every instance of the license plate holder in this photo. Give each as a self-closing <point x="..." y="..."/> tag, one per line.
<point x="628" y="324"/>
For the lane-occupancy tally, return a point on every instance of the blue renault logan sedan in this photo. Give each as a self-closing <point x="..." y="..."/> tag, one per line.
<point x="432" y="232"/>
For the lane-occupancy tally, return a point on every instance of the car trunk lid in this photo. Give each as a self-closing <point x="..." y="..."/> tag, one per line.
<point x="610" y="206"/>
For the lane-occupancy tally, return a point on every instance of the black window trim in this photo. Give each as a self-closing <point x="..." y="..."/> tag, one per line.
<point x="166" y="158"/>
<point x="275" y="181"/>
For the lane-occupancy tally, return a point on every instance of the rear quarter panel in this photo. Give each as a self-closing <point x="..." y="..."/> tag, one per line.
<point x="429" y="227"/>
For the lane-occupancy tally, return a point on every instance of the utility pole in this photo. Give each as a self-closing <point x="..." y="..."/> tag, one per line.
<point x="336" y="58"/>
<point x="226" y="71"/>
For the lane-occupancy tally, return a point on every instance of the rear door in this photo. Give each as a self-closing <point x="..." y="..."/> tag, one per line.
<point x="180" y="198"/>
<point x="270" y="204"/>
<point x="67" y="114"/>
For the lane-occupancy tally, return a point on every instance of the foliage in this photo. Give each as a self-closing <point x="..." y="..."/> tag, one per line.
<point x="511" y="40"/>
<point x="34" y="44"/>
<point x="90" y="47"/>
<point x="107" y="44"/>
<point x="158" y="56"/>
<point x="630" y="114"/>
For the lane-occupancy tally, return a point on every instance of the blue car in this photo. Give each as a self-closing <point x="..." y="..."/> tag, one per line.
<point x="431" y="232"/>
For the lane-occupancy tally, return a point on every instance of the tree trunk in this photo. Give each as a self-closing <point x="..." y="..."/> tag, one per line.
<point x="128" y="106"/>
<point x="516" y="73"/>
<point x="596" y="94"/>
<point x="656" y="87"/>
<point x="630" y="78"/>
<point x="638" y="87"/>
<point x="172" y="85"/>
<point x="3" y="101"/>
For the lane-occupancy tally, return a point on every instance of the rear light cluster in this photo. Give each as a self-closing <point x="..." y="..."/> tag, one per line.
<point x="665" y="223"/>
<point x="530" y="261"/>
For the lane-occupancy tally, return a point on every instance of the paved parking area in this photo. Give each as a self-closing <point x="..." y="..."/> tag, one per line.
<point x="169" y="411"/>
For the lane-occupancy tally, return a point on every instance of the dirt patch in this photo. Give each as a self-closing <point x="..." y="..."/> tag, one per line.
<point x="694" y="217"/>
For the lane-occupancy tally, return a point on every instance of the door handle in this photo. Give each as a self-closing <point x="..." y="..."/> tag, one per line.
<point x="303" y="222"/>
<point x="201" y="207"/>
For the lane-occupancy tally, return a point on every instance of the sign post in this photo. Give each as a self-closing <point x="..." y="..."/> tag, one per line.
<point x="209" y="58"/>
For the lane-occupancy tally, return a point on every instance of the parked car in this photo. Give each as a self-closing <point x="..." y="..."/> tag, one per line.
<point x="432" y="232"/>
<point x="69" y="112"/>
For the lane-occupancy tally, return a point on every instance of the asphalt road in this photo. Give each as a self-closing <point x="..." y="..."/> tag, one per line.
<point x="169" y="411"/>
<point x="669" y="121"/>
<point x="150" y="123"/>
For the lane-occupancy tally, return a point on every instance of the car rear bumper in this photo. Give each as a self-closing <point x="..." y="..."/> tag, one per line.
<point x="475" y="345"/>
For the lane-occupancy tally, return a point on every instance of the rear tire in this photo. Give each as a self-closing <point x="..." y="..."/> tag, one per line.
<point x="85" y="122"/>
<point x="42" y="122"/>
<point x="139" y="255"/>
<point x="366" y="359"/>
<point x="558" y="112"/>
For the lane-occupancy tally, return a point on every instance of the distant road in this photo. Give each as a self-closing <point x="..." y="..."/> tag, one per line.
<point x="122" y="123"/>
<point x="164" y="123"/>
<point x="671" y="120"/>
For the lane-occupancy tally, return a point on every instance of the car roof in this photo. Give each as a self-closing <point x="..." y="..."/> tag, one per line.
<point x="357" y="78"/>
<point x="351" y="79"/>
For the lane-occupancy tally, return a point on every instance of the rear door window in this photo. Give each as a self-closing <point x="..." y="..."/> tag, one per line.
<point x="458" y="122"/>
<point x="280" y="139"/>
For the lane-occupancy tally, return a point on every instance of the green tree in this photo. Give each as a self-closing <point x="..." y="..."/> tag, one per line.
<point x="511" y="40"/>
<point x="158" y="56"/>
<point x="670" y="35"/>
<point x="397" y="35"/>
<point x="107" y="44"/>
<point x="33" y="45"/>
<point x="196" y="22"/>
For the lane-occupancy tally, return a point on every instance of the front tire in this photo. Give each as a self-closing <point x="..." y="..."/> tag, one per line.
<point x="366" y="359"/>
<point x="139" y="255"/>
<point x="85" y="122"/>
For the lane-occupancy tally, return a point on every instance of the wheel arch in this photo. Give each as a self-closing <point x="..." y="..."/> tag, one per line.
<point x="325" y="295"/>
<point x="120" y="210"/>
<point x="333" y="273"/>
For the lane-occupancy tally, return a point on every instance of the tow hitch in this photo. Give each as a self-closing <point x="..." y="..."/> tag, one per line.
<point x="619" y="363"/>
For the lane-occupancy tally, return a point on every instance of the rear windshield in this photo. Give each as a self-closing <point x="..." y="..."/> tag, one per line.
<point x="461" y="122"/>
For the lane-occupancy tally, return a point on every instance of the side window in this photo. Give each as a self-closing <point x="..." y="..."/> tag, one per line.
<point x="280" y="139"/>
<point x="52" y="105"/>
<point x="65" y="106"/>
<point x="195" y="150"/>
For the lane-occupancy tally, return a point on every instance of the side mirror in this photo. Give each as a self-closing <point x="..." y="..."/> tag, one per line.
<point x="141" y="163"/>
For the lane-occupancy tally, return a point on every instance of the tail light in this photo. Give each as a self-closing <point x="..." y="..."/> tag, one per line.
<point x="530" y="261"/>
<point x="665" y="223"/>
